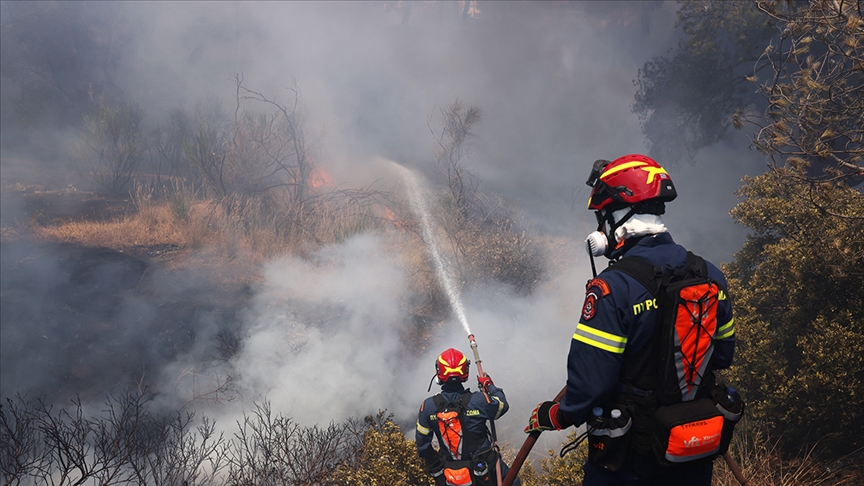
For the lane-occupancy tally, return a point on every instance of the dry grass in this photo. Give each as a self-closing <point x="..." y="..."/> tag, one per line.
<point x="762" y="464"/>
<point x="251" y="229"/>
<point x="153" y="226"/>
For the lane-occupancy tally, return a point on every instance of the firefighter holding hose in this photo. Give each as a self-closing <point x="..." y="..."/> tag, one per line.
<point x="457" y="417"/>
<point x="617" y="380"/>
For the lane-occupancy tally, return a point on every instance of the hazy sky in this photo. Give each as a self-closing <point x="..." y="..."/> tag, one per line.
<point x="554" y="81"/>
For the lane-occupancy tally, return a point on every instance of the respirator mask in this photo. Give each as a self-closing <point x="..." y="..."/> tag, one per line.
<point x="600" y="243"/>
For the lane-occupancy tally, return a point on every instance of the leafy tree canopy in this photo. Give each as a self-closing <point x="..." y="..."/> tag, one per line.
<point x="799" y="308"/>
<point x="686" y="99"/>
<point x="797" y="280"/>
<point x="815" y="92"/>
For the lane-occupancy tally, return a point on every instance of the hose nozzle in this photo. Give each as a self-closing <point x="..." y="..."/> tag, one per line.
<point x="473" y="342"/>
<point x="476" y="355"/>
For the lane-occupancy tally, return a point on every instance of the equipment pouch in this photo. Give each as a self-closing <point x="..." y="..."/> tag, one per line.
<point x="688" y="431"/>
<point x="458" y="474"/>
<point x="730" y="404"/>
<point x="483" y="466"/>
<point x="609" y="439"/>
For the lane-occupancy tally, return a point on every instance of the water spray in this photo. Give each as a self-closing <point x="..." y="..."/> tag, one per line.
<point x="418" y="203"/>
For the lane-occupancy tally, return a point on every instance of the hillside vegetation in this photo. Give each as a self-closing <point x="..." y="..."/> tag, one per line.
<point x="183" y="214"/>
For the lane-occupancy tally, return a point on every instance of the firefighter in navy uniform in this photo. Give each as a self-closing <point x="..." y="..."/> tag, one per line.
<point x="457" y="418"/>
<point x="619" y="316"/>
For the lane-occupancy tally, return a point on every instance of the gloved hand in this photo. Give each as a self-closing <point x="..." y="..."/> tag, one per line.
<point x="546" y="417"/>
<point x="484" y="381"/>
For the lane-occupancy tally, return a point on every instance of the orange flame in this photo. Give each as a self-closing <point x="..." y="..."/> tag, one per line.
<point x="391" y="216"/>
<point x="319" y="178"/>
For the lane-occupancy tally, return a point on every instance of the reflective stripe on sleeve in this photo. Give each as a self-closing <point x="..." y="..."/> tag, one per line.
<point x="423" y="430"/>
<point x="726" y="330"/>
<point x="600" y="339"/>
<point x="500" y="408"/>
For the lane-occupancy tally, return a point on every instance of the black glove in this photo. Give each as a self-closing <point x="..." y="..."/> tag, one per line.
<point x="547" y="417"/>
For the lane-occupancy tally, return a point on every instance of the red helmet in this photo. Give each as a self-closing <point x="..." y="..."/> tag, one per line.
<point x="627" y="181"/>
<point x="452" y="364"/>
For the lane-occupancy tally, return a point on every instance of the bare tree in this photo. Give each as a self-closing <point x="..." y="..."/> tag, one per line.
<point x="70" y="457"/>
<point x="168" y="163"/>
<point x="112" y="146"/>
<point x="485" y="238"/>
<point x="170" y="452"/>
<point x="21" y="449"/>
<point x="282" y="141"/>
<point x="124" y="444"/>
<point x="453" y="141"/>
<point x="275" y="450"/>
<point x="206" y="149"/>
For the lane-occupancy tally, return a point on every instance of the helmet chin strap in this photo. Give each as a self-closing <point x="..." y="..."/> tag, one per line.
<point x="611" y="241"/>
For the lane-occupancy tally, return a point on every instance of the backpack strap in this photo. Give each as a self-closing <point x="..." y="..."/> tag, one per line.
<point x="650" y="276"/>
<point x="439" y="402"/>
<point x="639" y="370"/>
<point x="696" y="265"/>
<point x="461" y="403"/>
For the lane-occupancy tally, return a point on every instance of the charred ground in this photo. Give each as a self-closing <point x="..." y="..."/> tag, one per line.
<point x="86" y="320"/>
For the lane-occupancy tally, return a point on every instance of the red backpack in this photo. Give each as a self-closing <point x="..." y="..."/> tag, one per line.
<point x="465" y="464"/>
<point x="688" y="416"/>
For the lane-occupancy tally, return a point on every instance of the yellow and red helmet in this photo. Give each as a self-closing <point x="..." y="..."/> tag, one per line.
<point x="452" y="364"/>
<point x="627" y="181"/>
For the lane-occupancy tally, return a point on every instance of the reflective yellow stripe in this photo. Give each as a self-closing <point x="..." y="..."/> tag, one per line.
<point x="726" y="330"/>
<point x="500" y="407"/>
<point x="423" y="430"/>
<point x="600" y="339"/>
<point x="626" y="165"/>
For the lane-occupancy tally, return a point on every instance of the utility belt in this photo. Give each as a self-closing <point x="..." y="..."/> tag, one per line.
<point x="673" y="434"/>
<point x="477" y="471"/>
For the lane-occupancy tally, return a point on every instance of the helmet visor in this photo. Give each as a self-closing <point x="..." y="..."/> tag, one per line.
<point x="596" y="172"/>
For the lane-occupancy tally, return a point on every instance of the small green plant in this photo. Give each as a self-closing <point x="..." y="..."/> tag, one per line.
<point x="180" y="200"/>
<point x="142" y="197"/>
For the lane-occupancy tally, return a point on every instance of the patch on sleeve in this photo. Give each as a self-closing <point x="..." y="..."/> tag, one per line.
<point x="590" y="306"/>
<point x="597" y="288"/>
<point x="599" y="285"/>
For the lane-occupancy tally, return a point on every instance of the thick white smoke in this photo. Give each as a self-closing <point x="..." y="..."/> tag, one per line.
<point x="321" y="337"/>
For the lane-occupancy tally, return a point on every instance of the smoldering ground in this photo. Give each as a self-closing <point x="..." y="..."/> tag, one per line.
<point x="322" y="339"/>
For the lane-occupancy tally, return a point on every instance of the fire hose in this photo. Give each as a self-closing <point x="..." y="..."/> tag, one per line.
<point x="482" y="373"/>
<point x="532" y="439"/>
<point x="526" y="449"/>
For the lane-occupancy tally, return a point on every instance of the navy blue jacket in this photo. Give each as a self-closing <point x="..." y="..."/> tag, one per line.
<point x="476" y="415"/>
<point x="618" y="321"/>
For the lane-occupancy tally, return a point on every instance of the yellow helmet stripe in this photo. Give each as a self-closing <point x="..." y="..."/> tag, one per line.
<point x="653" y="171"/>
<point x="448" y="369"/>
<point x="441" y="360"/>
<point x="624" y="166"/>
